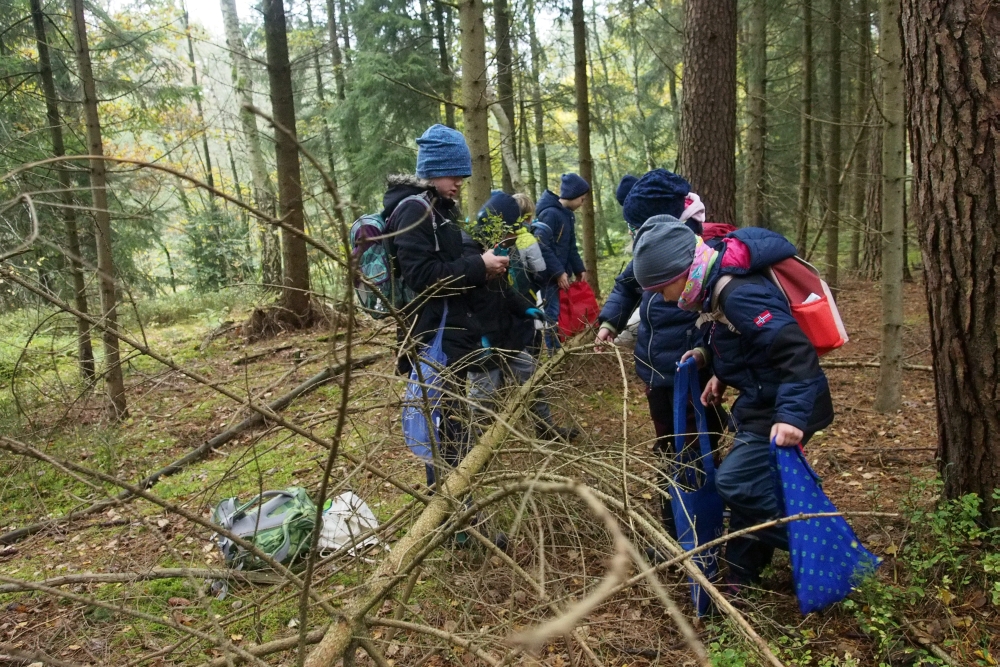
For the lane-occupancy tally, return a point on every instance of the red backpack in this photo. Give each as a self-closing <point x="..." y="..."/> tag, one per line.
<point x="577" y="309"/>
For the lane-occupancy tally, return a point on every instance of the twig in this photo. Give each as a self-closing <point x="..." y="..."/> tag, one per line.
<point x="435" y="632"/>
<point x="155" y="573"/>
<point x="246" y="359"/>
<point x="873" y="364"/>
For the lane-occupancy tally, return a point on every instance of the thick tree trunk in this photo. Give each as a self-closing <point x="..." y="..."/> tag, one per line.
<point x="295" y="261"/>
<point x="708" y="160"/>
<point x="264" y="197"/>
<point x="951" y="66"/>
<point x="507" y="137"/>
<point x="536" y="99"/>
<point x="445" y="63"/>
<point x="113" y="379"/>
<point x="474" y="103"/>
<point x="888" y="396"/>
<point x="331" y="163"/>
<point x="583" y="141"/>
<point x="806" y="130"/>
<point x="85" y="350"/>
<point x="505" y="78"/>
<point x="834" y="158"/>
<point x="754" y="203"/>
<point x="335" y="55"/>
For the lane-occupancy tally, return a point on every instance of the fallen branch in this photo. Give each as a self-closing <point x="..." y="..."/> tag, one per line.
<point x="435" y="632"/>
<point x="267" y="648"/>
<point x="246" y="359"/>
<point x="155" y="573"/>
<point x="873" y="364"/>
<point x="196" y="454"/>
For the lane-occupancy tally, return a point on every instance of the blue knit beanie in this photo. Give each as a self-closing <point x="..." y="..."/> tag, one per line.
<point x="657" y="192"/>
<point x="624" y="187"/>
<point x="442" y="151"/>
<point x="503" y="205"/>
<point x="663" y="252"/>
<point x="573" y="186"/>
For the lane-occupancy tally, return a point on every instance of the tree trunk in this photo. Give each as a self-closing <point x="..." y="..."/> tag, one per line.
<point x="209" y="175"/>
<point x="295" y="262"/>
<point x="708" y="116"/>
<point x="888" y="396"/>
<point x="871" y="258"/>
<point x="474" y="104"/>
<point x="338" y="207"/>
<point x="445" y="59"/>
<point x="529" y="160"/>
<point x="833" y="161"/>
<point x="754" y="203"/>
<point x="536" y="99"/>
<point x="862" y="97"/>
<point x="505" y="77"/>
<point x="583" y="141"/>
<point x="113" y="379"/>
<point x="263" y="190"/>
<point x="805" y="156"/>
<point x="345" y="31"/>
<point x="507" y="136"/>
<point x="951" y="64"/>
<point x="85" y="350"/>
<point x="335" y="54"/>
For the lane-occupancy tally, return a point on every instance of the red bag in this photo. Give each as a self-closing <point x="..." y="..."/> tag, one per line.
<point x="577" y="309"/>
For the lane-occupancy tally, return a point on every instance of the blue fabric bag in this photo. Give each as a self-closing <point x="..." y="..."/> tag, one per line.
<point x="420" y="436"/>
<point x="696" y="504"/>
<point x="828" y="560"/>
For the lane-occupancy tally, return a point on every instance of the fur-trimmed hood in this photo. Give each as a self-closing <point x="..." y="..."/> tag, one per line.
<point x="398" y="188"/>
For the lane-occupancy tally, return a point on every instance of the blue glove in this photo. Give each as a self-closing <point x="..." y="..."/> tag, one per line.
<point x="484" y="341"/>
<point x="535" y="314"/>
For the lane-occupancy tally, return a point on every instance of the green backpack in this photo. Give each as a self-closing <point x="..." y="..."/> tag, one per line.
<point x="279" y="523"/>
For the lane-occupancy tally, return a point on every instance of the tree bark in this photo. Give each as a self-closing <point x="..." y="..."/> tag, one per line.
<point x="209" y="174"/>
<point x="85" y="350"/>
<point x="831" y="221"/>
<point x="331" y="163"/>
<point x="806" y="105"/>
<point x="536" y="99"/>
<point x="526" y="155"/>
<point x="888" y="395"/>
<point x="445" y="63"/>
<point x="583" y="141"/>
<point x="295" y="262"/>
<point x="708" y="159"/>
<point x="113" y="379"/>
<point x="474" y="103"/>
<point x="862" y="98"/>
<point x="754" y="203"/>
<point x="951" y="65"/>
<point x="335" y="55"/>
<point x="505" y="78"/>
<point x="507" y="136"/>
<point x="871" y="258"/>
<point x="264" y="197"/>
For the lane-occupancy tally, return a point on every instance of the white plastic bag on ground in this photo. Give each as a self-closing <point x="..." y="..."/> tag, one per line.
<point x="627" y="337"/>
<point x="344" y="522"/>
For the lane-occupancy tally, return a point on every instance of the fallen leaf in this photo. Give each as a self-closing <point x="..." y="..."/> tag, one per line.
<point x="946" y="596"/>
<point x="178" y="602"/>
<point x="236" y="638"/>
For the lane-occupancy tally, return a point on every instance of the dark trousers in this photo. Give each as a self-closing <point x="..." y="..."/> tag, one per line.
<point x="745" y="482"/>
<point x="551" y="298"/>
<point x="661" y="409"/>
<point x="455" y="436"/>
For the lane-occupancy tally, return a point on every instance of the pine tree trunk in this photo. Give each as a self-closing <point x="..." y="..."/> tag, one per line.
<point x="536" y="99"/>
<point x="295" y="262"/>
<point x="805" y="131"/>
<point x="113" y="379"/>
<point x="505" y="75"/>
<point x="338" y="207"/>
<point x="345" y="32"/>
<point x="474" y="103"/>
<point x="445" y="63"/>
<point x="871" y="258"/>
<point x="264" y="197"/>
<point x="951" y="64"/>
<point x="583" y="141"/>
<point x="708" y="116"/>
<point x="335" y="55"/>
<point x="209" y="174"/>
<point x="888" y="395"/>
<point x="85" y="350"/>
<point x="834" y="158"/>
<point x="754" y="203"/>
<point x="862" y="98"/>
<point x="526" y="150"/>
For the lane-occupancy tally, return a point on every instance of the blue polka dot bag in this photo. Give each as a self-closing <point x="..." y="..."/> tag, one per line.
<point x="828" y="560"/>
<point x="696" y="505"/>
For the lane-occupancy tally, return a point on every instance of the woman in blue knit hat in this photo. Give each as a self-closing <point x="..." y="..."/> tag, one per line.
<point x="424" y="241"/>
<point x="665" y="331"/>
<point x="555" y="228"/>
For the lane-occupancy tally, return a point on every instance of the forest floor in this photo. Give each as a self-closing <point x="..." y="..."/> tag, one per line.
<point x="936" y="595"/>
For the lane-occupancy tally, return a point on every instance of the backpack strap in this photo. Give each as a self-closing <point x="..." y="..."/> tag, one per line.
<point x="538" y="223"/>
<point x="427" y="201"/>
<point x="724" y="286"/>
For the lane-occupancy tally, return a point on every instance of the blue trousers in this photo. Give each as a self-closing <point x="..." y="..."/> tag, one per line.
<point x="745" y="481"/>
<point x="484" y="386"/>
<point x="551" y="297"/>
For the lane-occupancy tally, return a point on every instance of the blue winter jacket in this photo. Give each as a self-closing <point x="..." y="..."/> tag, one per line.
<point x="665" y="331"/>
<point x="555" y="228"/>
<point x="765" y="355"/>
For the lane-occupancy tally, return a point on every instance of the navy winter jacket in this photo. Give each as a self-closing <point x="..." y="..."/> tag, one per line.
<point x="557" y="236"/>
<point x="767" y="358"/>
<point x="429" y="255"/>
<point x="665" y="331"/>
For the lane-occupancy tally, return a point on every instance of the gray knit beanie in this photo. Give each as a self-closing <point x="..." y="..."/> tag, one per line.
<point x="663" y="252"/>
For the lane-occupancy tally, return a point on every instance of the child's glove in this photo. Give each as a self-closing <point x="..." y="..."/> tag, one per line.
<point x="535" y="314"/>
